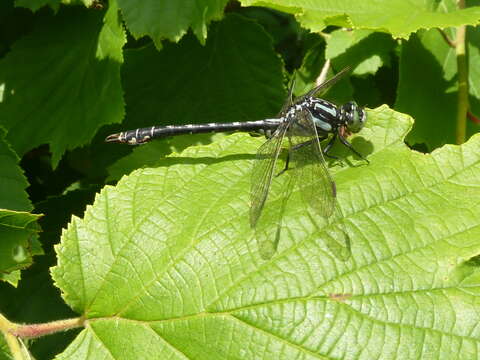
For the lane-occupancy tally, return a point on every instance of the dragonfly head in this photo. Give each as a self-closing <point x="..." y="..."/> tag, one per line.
<point x="353" y="116"/>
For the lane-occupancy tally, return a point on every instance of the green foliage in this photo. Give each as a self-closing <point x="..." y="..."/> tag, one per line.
<point x="58" y="95"/>
<point x="427" y="60"/>
<point x="185" y="91"/>
<point x="18" y="231"/>
<point x="164" y="264"/>
<point x="34" y="5"/>
<point x="170" y="19"/>
<point x="12" y="192"/>
<point x="370" y="50"/>
<point x="170" y="248"/>
<point x="397" y="17"/>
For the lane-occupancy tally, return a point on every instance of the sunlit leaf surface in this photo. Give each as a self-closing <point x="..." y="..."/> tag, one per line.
<point x="397" y="17"/>
<point x="165" y="265"/>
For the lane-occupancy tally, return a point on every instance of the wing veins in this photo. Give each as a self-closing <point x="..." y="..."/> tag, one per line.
<point x="263" y="171"/>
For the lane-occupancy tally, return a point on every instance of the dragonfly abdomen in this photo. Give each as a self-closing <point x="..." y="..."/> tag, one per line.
<point x="143" y="135"/>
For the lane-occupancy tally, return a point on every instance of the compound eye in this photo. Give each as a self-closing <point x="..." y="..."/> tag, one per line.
<point x="356" y="117"/>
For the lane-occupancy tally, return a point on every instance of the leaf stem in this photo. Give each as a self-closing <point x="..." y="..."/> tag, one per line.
<point x="14" y="332"/>
<point x="37" y="330"/>
<point x="462" y="68"/>
<point x="446" y="38"/>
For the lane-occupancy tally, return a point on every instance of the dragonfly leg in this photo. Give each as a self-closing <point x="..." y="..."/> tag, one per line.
<point x="287" y="161"/>
<point x="298" y="146"/>
<point x="352" y="149"/>
<point x="329" y="146"/>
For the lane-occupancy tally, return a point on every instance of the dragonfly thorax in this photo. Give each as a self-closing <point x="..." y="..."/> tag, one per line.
<point x="325" y="115"/>
<point x="329" y="117"/>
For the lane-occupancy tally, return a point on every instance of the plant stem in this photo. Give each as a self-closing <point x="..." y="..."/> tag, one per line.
<point x="12" y="332"/>
<point x="37" y="330"/>
<point x="323" y="73"/>
<point x="462" y="68"/>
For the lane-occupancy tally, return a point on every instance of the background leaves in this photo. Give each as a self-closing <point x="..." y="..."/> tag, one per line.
<point x="232" y="60"/>
<point x="164" y="261"/>
<point x="170" y="19"/>
<point x="397" y="17"/>
<point x="13" y="194"/>
<point x="72" y="83"/>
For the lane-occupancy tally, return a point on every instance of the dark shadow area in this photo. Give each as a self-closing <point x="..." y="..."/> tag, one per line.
<point x="44" y="181"/>
<point x="364" y="147"/>
<point x="290" y="40"/>
<point x="473" y="262"/>
<point x="169" y="161"/>
<point x="15" y="22"/>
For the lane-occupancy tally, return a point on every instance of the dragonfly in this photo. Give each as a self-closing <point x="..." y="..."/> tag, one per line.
<point x="299" y="127"/>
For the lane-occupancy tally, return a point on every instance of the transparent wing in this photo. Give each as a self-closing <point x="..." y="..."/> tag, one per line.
<point x="316" y="184"/>
<point x="326" y="84"/>
<point x="270" y="224"/>
<point x="318" y="89"/>
<point x="264" y="169"/>
<point x="263" y="172"/>
<point x="289" y="101"/>
<point x="314" y="180"/>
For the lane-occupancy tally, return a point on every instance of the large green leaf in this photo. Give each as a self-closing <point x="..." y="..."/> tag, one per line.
<point x="62" y="82"/>
<point x="164" y="265"/>
<point x="428" y="86"/>
<point x="398" y="17"/>
<point x="12" y="181"/>
<point x="170" y="19"/>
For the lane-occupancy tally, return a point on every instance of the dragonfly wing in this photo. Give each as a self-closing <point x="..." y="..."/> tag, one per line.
<point x="263" y="172"/>
<point x="289" y="101"/>
<point x="315" y="182"/>
<point x="267" y="241"/>
<point x="265" y="168"/>
<point x="326" y="84"/>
